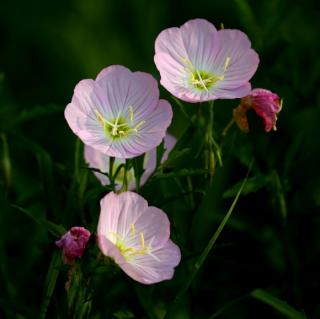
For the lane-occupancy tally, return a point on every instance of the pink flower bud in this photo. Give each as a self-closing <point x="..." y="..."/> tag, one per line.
<point x="266" y="105"/>
<point x="73" y="243"/>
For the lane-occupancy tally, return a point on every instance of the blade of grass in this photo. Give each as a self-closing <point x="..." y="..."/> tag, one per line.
<point x="227" y="306"/>
<point x="209" y="246"/>
<point x="50" y="284"/>
<point x="277" y="304"/>
<point x="6" y="162"/>
<point x="54" y="229"/>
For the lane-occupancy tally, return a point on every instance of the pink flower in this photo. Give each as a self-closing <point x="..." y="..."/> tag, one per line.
<point x="136" y="236"/>
<point x="198" y="63"/>
<point x="98" y="160"/>
<point x="73" y="243"/>
<point x="119" y="113"/>
<point x="266" y="105"/>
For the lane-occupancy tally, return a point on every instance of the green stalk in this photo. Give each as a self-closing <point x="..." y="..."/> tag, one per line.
<point x="111" y="176"/>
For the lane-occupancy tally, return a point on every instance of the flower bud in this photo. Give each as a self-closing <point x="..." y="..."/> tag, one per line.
<point x="73" y="243"/>
<point x="266" y="105"/>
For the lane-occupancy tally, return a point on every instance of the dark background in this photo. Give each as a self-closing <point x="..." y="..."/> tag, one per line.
<point x="272" y="241"/>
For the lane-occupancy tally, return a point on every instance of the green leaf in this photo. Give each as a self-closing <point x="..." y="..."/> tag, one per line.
<point x="181" y="172"/>
<point x="50" y="283"/>
<point x="174" y="156"/>
<point x="46" y="168"/>
<point x="123" y="314"/>
<point x="5" y="161"/>
<point x="55" y="229"/>
<point x="201" y="259"/>
<point x="277" y="304"/>
<point x="37" y="112"/>
<point x="253" y="184"/>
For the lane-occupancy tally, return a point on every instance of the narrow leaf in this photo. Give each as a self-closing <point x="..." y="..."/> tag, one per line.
<point x="208" y="248"/>
<point x="277" y="304"/>
<point x="253" y="184"/>
<point x="55" y="229"/>
<point x="50" y="283"/>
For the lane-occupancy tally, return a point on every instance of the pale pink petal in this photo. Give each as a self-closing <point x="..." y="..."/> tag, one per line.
<point x="98" y="160"/>
<point x="170" y="42"/>
<point x="224" y="93"/>
<point x="109" y="249"/>
<point x="109" y="215"/>
<point x="169" y="143"/>
<point x="119" y="212"/>
<point x="154" y="226"/>
<point x="173" y="73"/>
<point x="201" y="42"/>
<point x="242" y="60"/>
<point x="152" y="131"/>
<point x="154" y="267"/>
<point x="123" y="89"/>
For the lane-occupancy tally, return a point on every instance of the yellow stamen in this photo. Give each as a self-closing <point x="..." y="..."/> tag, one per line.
<point x="201" y="81"/>
<point x="226" y="63"/>
<point x="100" y="117"/>
<point x="142" y="241"/>
<point x="221" y="25"/>
<point x="138" y="125"/>
<point x="132" y="230"/>
<point x="131" y="113"/>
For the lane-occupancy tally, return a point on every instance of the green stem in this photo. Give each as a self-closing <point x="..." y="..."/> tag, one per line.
<point x="6" y="163"/>
<point x="227" y="128"/>
<point x="111" y="176"/>
<point x="137" y="174"/>
<point x="124" y="187"/>
<point x="77" y="160"/>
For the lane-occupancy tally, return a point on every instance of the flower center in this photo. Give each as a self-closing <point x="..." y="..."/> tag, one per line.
<point x="203" y="80"/>
<point x="130" y="251"/>
<point x="119" y="127"/>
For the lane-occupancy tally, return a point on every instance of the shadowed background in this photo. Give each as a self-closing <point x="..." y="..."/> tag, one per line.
<point x="272" y="240"/>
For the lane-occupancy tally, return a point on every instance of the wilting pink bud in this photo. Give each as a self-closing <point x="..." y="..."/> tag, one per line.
<point x="266" y="105"/>
<point x="73" y="243"/>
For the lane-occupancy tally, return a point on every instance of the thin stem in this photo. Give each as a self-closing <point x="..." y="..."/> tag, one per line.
<point x="111" y="176"/>
<point x="6" y="163"/>
<point x="227" y="128"/>
<point x="137" y="174"/>
<point x="124" y="187"/>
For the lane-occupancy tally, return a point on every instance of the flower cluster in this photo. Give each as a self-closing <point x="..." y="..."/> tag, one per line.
<point x="119" y="116"/>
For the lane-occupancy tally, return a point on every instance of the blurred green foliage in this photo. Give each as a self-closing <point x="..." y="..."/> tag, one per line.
<point x="272" y="240"/>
